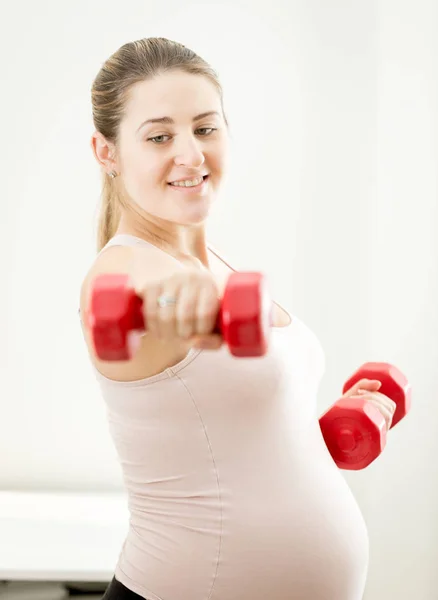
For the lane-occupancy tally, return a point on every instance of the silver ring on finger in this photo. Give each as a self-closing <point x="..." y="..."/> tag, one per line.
<point x="163" y="301"/>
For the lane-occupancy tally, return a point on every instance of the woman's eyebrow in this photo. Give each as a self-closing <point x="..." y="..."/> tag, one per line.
<point x="170" y="121"/>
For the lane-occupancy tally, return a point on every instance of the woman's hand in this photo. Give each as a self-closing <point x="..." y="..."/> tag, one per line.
<point x="191" y="315"/>
<point x="367" y="389"/>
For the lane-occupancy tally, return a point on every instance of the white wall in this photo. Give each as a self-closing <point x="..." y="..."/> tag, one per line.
<point x="333" y="108"/>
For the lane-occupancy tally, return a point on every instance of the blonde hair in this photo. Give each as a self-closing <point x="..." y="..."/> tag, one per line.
<point x="132" y="63"/>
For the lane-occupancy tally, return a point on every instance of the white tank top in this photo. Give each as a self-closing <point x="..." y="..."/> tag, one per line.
<point x="232" y="492"/>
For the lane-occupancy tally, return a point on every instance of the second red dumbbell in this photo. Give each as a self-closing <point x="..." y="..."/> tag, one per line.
<point x="354" y="430"/>
<point x="115" y="313"/>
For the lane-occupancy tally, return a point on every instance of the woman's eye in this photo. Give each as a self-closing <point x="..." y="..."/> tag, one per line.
<point x="158" y="139"/>
<point x="210" y="129"/>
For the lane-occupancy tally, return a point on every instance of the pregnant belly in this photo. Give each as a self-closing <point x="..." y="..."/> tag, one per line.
<point x="299" y="536"/>
<point x="284" y="527"/>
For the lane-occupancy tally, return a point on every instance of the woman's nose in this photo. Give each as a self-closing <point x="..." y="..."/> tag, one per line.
<point x="189" y="153"/>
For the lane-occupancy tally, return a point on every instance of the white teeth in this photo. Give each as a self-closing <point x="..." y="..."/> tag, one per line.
<point x="188" y="182"/>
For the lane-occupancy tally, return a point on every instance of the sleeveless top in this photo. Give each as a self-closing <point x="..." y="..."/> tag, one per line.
<point x="232" y="493"/>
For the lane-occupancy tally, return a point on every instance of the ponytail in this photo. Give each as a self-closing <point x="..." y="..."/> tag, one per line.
<point x="109" y="216"/>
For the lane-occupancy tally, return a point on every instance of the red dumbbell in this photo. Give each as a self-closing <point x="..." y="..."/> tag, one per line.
<point x="354" y="430"/>
<point x="115" y="313"/>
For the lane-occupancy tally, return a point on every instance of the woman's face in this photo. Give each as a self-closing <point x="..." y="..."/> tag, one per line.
<point x="173" y="130"/>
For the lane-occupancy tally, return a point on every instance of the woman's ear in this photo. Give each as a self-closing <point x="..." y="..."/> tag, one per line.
<point x="104" y="152"/>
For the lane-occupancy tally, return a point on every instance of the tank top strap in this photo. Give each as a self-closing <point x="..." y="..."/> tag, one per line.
<point x="125" y="239"/>
<point x="220" y="257"/>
